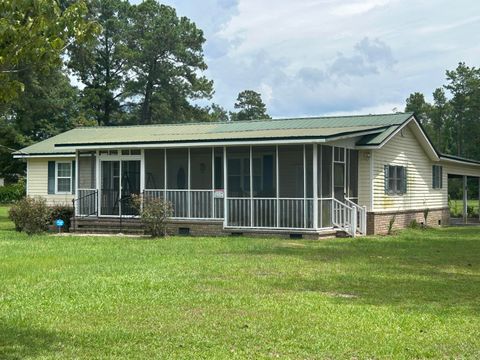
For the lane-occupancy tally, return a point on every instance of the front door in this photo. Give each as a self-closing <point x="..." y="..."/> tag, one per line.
<point x="110" y="188"/>
<point x="120" y="180"/>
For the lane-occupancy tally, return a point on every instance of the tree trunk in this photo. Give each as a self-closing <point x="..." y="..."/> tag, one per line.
<point x="146" y="106"/>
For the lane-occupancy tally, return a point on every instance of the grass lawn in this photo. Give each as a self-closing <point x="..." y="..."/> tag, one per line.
<point x="415" y="295"/>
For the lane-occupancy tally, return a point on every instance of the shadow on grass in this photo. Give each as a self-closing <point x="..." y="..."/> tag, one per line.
<point x="21" y="343"/>
<point x="435" y="269"/>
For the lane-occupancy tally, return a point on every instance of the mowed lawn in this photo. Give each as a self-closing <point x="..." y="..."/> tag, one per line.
<point x="415" y="295"/>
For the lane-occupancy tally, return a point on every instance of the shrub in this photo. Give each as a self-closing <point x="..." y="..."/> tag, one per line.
<point x="63" y="212"/>
<point x="31" y="215"/>
<point x="13" y="192"/>
<point x="414" y="224"/>
<point x="390" y="225"/>
<point x="425" y="216"/>
<point x="154" y="214"/>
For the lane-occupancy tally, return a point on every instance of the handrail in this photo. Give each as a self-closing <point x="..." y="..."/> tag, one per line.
<point x="362" y="216"/>
<point x="344" y="217"/>
<point x="94" y="196"/>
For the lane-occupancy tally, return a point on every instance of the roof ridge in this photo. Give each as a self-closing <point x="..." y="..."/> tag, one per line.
<point x="243" y="121"/>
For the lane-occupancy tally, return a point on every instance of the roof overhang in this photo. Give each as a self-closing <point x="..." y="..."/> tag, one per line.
<point x="458" y="160"/>
<point x="44" y="155"/>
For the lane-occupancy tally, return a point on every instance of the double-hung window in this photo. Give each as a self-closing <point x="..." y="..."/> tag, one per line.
<point x="63" y="178"/>
<point x="437" y="175"/>
<point x="395" y="180"/>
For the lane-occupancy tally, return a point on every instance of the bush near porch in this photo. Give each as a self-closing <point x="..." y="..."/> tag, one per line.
<point x="414" y="295"/>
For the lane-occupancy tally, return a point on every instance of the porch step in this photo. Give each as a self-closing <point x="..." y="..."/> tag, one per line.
<point x="107" y="226"/>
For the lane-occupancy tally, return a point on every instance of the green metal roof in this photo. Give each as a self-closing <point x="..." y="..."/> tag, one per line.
<point x="295" y="128"/>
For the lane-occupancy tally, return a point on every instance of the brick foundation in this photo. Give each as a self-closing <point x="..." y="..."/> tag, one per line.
<point x="378" y="223"/>
<point x="196" y="227"/>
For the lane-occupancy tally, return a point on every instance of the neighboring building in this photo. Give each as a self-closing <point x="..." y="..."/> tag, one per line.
<point x="308" y="176"/>
<point x="2" y="182"/>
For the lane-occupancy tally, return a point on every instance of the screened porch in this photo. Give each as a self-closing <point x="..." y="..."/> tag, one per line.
<point x="272" y="187"/>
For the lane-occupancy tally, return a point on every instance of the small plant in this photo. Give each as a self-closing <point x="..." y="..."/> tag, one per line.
<point x="414" y="224"/>
<point x="425" y="216"/>
<point x="31" y="215"/>
<point x="470" y="211"/>
<point x="154" y="214"/>
<point x="391" y="222"/>
<point x="63" y="212"/>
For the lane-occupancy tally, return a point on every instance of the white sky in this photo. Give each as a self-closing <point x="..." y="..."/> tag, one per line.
<point x="315" y="57"/>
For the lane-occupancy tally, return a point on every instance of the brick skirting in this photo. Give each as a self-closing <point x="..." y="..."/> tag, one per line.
<point x="195" y="227"/>
<point x="378" y="222"/>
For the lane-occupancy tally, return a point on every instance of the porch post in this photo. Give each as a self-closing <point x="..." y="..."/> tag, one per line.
<point x="142" y="178"/>
<point x="315" y="187"/>
<point x="142" y="171"/>
<point x="165" y="174"/>
<point x="189" y="205"/>
<point x="225" y="190"/>
<point x="251" y="187"/>
<point x="277" y="188"/>
<point x="304" y="188"/>
<point x="213" y="183"/>
<point x="77" y="178"/>
<point x="465" y="200"/>
<point x="98" y="182"/>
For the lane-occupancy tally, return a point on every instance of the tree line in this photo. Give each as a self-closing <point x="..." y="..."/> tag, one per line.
<point x="135" y="64"/>
<point x="452" y="119"/>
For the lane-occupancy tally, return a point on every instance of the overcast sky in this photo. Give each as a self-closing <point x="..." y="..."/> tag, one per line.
<point x="316" y="57"/>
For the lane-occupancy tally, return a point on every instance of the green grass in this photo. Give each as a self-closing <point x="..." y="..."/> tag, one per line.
<point x="415" y="295"/>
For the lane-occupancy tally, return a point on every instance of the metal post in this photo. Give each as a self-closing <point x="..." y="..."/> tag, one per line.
<point x="315" y="187"/>
<point x="465" y="200"/>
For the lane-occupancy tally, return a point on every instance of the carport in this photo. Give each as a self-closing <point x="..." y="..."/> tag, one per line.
<point x="463" y="186"/>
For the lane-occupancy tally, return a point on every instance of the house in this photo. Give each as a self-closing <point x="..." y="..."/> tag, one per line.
<point x="299" y="177"/>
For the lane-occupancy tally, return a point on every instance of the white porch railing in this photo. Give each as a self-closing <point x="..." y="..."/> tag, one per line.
<point x="293" y="213"/>
<point x="344" y="217"/>
<point x="361" y="220"/>
<point x="190" y="204"/>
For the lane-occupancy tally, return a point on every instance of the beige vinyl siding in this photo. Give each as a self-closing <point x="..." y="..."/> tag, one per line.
<point x="37" y="184"/>
<point x="404" y="150"/>
<point x="460" y="169"/>
<point x="364" y="181"/>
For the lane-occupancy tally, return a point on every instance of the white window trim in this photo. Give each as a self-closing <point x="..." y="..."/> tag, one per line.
<point x="63" y="177"/>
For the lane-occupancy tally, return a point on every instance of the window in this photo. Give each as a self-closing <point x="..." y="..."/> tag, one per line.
<point x="437" y="176"/>
<point x="64" y="177"/>
<point x="395" y="180"/>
